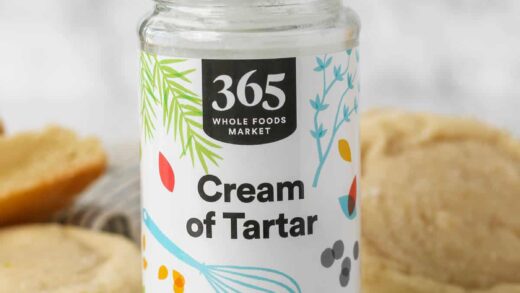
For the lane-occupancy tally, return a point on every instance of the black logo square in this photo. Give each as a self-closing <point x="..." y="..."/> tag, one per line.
<point x="249" y="102"/>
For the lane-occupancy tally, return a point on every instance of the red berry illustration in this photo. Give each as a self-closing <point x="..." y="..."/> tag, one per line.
<point x="352" y="196"/>
<point x="166" y="172"/>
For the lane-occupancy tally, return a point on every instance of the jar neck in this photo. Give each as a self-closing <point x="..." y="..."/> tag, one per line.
<point x="249" y="15"/>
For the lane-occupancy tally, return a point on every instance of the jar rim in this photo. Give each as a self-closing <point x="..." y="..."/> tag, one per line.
<point x="255" y="14"/>
<point x="248" y="2"/>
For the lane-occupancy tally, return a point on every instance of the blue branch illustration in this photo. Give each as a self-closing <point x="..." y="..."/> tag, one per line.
<point x="319" y="105"/>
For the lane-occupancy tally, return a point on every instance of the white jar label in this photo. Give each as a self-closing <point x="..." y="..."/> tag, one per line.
<point x="249" y="174"/>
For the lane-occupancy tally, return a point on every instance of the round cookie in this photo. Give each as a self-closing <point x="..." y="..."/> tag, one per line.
<point x="440" y="205"/>
<point x="52" y="258"/>
<point x="42" y="173"/>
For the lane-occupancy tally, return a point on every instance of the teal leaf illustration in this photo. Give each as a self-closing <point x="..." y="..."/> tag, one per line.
<point x="314" y="134"/>
<point x="322" y="133"/>
<point x="338" y="75"/>
<point x="319" y="133"/>
<point x="346" y="113"/>
<point x="328" y="62"/>
<point x="344" y="203"/>
<point x="320" y="62"/>
<point x="321" y="65"/>
<point x="315" y="104"/>
<point x="323" y="107"/>
<point x="348" y="203"/>
<point x="349" y="52"/>
<point x="350" y="80"/>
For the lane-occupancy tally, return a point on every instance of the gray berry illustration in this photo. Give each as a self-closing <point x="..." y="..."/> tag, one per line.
<point x="346" y="264"/>
<point x="327" y="258"/>
<point x="344" y="277"/>
<point x="356" y="250"/>
<point x="338" y="249"/>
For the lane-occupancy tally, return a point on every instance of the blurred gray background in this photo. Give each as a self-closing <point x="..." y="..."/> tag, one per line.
<point x="74" y="62"/>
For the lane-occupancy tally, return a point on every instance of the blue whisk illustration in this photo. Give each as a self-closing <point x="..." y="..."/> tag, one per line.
<point x="228" y="278"/>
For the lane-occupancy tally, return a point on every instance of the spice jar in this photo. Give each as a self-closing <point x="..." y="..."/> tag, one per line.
<point x="250" y="151"/>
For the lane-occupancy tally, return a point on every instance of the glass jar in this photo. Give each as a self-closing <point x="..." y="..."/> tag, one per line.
<point x="250" y="146"/>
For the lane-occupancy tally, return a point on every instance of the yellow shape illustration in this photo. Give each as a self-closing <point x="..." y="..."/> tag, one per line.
<point x="178" y="282"/>
<point x="163" y="273"/>
<point x="344" y="150"/>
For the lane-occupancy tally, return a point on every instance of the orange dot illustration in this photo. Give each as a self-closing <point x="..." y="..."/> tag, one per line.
<point x="344" y="150"/>
<point x="145" y="263"/>
<point x="178" y="282"/>
<point x="163" y="273"/>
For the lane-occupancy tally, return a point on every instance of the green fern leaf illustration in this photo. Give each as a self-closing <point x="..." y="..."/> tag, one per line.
<point x="148" y="98"/>
<point x="162" y="86"/>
